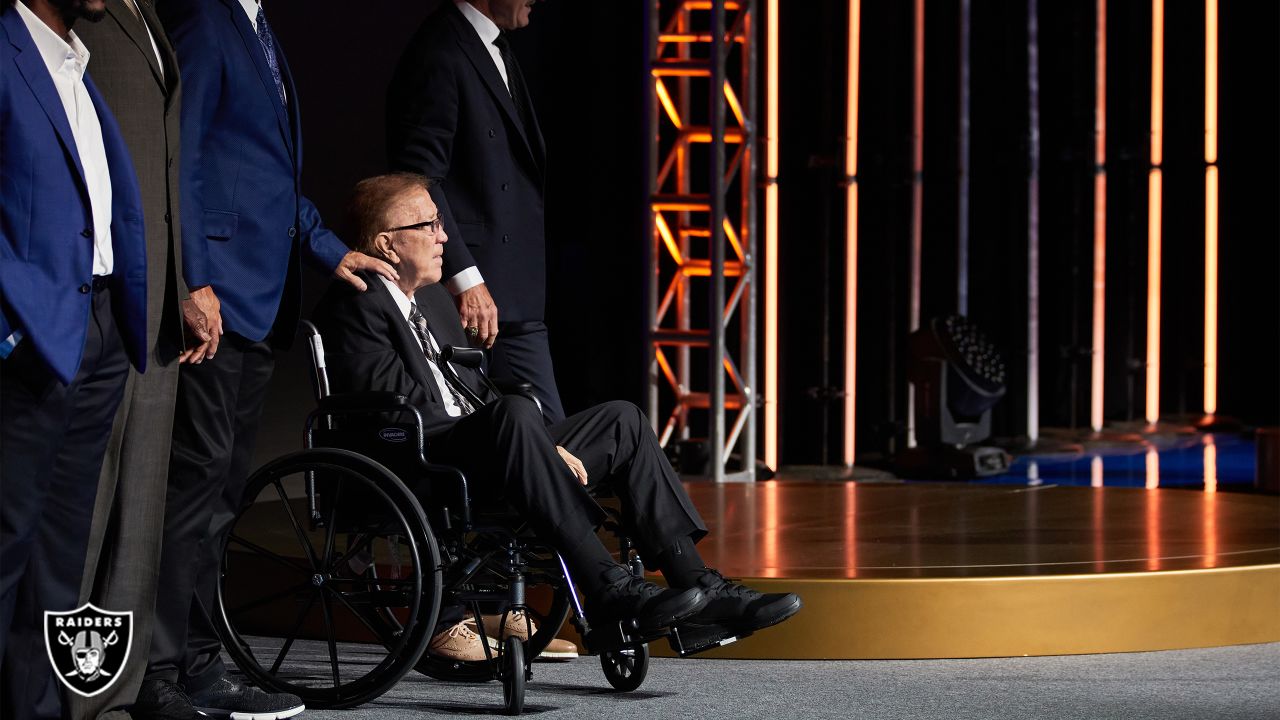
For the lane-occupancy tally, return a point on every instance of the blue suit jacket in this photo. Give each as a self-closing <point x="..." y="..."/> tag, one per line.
<point x="244" y="219"/>
<point x="46" y="240"/>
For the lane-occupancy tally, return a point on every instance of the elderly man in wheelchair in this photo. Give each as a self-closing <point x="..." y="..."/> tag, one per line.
<point x="403" y="341"/>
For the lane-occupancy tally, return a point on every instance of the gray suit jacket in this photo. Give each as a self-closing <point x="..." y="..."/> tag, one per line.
<point x="121" y="71"/>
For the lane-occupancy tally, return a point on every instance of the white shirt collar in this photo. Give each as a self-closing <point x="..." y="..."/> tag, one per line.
<point x="54" y="50"/>
<point x="485" y="28"/>
<point x="402" y="301"/>
<point x="250" y="9"/>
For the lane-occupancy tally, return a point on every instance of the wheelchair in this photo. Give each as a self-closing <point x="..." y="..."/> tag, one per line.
<point x="349" y="549"/>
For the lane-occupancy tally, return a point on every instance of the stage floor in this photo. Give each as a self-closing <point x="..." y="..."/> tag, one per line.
<point x="903" y="570"/>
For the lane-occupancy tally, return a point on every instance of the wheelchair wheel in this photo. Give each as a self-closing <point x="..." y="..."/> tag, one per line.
<point x="333" y="606"/>
<point x="625" y="669"/>
<point x="513" y="676"/>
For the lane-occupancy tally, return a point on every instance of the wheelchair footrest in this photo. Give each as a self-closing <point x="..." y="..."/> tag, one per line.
<point x="615" y="636"/>
<point x="693" y="639"/>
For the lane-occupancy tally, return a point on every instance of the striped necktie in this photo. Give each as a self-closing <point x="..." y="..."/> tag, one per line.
<point x="419" y="324"/>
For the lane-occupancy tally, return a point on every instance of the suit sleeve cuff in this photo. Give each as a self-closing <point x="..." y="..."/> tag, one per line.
<point x="464" y="280"/>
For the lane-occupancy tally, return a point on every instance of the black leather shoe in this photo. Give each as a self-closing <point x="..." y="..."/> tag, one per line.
<point x="228" y="698"/>
<point x="627" y="597"/>
<point x="738" y="607"/>
<point x="162" y="700"/>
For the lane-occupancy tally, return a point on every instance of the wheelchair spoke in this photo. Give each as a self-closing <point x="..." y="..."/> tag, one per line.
<point x="359" y="615"/>
<point x="332" y="530"/>
<point x="364" y="541"/>
<point x="380" y="582"/>
<point x="268" y="554"/>
<point x="333" y="641"/>
<point x="297" y="527"/>
<point x="270" y="598"/>
<point x="293" y="635"/>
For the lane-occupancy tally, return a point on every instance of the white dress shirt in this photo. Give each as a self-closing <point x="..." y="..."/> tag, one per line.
<point x="66" y="63"/>
<point x="403" y="302"/>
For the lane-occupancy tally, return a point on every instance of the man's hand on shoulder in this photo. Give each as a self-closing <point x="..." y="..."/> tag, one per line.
<point x="202" y="314"/>
<point x="479" y="315"/>
<point x="353" y="261"/>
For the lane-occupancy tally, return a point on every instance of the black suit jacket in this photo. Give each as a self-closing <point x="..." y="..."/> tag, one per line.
<point x="451" y="118"/>
<point x="369" y="345"/>
<point x="145" y="99"/>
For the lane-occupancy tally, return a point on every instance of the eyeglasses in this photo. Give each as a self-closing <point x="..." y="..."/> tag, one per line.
<point x="431" y="226"/>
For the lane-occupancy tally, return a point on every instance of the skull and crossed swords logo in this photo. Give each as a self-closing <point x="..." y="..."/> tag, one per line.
<point x="88" y="646"/>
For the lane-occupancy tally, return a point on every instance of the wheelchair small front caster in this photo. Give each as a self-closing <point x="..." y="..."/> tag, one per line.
<point x="513" y="676"/>
<point x="625" y="669"/>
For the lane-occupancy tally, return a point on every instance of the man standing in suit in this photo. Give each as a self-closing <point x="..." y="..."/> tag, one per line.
<point x="245" y="227"/>
<point x="72" y="317"/>
<point x="458" y="111"/>
<point x="136" y="70"/>
<point x="385" y="340"/>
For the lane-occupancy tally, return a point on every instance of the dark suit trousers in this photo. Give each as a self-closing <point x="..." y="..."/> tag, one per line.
<point x="523" y="352"/>
<point x="507" y="451"/>
<point x="215" y="426"/>
<point x="123" y="560"/>
<point x="52" y="438"/>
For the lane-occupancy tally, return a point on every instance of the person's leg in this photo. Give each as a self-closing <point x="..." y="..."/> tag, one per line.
<point x="523" y="353"/>
<point x="52" y="581"/>
<point x="123" y="562"/>
<point x="621" y="453"/>
<point x="203" y="436"/>
<point x="202" y="665"/>
<point x="508" y="454"/>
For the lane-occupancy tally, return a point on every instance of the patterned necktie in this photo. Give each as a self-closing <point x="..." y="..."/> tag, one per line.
<point x="419" y="324"/>
<point x="268" y="42"/>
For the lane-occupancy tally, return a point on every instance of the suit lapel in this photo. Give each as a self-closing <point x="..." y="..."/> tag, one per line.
<point x="480" y="59"/>
<point x="137" y="33"/>
<point x="36" y="74"/>
<point x="171" y="76"/>
<point x="259" y="60"/>
<point x="403" y="340"/>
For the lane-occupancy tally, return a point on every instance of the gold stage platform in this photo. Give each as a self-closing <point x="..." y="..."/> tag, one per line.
<point x="950" y="570"/>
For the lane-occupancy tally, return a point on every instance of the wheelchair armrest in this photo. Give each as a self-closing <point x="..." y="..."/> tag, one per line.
<point x="510" y="386"/>
<point x="368" y="401"/>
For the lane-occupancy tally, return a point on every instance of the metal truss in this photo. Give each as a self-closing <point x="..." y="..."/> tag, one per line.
<point x="702" y="184"/>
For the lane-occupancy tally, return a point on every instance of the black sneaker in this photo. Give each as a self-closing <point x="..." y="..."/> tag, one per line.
<point x="227" y="698"/>
<point x="626" y="597"/>
<point x="739" y="608"/>
<point x="162" y="700"/>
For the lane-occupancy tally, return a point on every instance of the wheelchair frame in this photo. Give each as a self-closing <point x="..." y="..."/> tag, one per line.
<point x="474" y="556"/>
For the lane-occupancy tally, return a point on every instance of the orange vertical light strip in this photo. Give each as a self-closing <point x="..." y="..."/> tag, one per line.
<point x="1211" y="207"/>
<point x="771" y="236"/>
<point x="1097" y="368"/>
<point x="1153" y="510"/>
<point x="851" y="529"/>
<point x="1209" y="503"/>
<point x="917" y="197"/>
<point x="1154" y="199"/>
<point x="851" y="231"/>
<point x="770" y="529"/>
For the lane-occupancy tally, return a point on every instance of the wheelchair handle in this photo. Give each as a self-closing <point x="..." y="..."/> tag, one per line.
<point x="466" y="357"/>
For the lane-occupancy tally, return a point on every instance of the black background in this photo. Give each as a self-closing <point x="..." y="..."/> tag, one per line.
<point x="585" y="59"/>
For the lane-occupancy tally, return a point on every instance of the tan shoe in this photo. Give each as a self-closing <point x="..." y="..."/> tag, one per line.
<point x="559" y="649"/>
<point x="458" y="643"/>
<point x="515" y="627"/>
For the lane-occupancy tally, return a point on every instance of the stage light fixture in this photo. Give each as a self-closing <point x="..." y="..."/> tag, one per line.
<point x="958" y="375"/>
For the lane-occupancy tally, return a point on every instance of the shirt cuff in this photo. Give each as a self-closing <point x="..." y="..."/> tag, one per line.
<point x="464" y="280"/>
